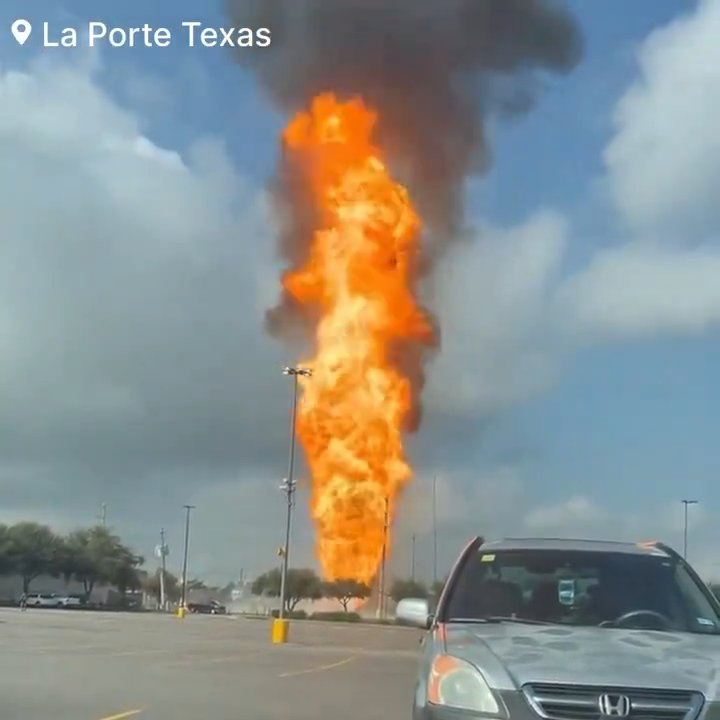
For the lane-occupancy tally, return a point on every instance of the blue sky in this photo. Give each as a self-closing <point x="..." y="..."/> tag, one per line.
<point x="627" y="423"/>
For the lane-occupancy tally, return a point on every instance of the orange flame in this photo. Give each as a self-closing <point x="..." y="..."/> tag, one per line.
<point x="359" y="275"/>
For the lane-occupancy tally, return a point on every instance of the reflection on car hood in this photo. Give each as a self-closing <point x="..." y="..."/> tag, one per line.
<point x="512" y="654"/>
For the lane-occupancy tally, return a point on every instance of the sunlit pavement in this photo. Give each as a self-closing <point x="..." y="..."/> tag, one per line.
<point x="69" y="665"/>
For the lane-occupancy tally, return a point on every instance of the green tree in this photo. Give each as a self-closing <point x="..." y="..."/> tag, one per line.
<point x="302" y="584"/>
<point x="437" y="587"/>
<point x="64" y="559"/>
<point x="32" y="550"/>
<point x="124" y="573"/>
<point x="5" y="555"/>
<point x="346" y="590"/>
<point x="94" y="555"/>
<point x="407" y="588"/>
<point x="151" y="585"/>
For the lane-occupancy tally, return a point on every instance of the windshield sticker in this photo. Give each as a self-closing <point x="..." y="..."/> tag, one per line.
<point x="566" y="592"/>
<point x="705" y="621"/>
<point x="487" y="558"/>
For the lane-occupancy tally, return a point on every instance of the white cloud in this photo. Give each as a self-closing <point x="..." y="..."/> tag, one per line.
<point x="507" y="314"/>
<point x="582" y="517"/>
<point x="664" y="160"/>
<point x="468" y="502"/>
<point x="492" y="296"/>
<point x="495" y="504"/>
<point x="115" y="249"/>
<point x="131" y="336"/>
<point x="508" y="319"/>
<point x="239" y="523"/>
<point x="565" y="517"/>
<point x="641" y="290"/>
<point x="461" y="496"/>
<point x="511" y="309"/>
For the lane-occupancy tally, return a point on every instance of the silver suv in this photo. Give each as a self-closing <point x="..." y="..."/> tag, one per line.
<point x="568" y="630"/>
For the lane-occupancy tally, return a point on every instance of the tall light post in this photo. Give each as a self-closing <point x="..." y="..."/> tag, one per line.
<point x="381" y="588"/>
<point x="162" y="552"/>
<point x="434" y="523"/>
<point x="412" y="559"/>
<point x="288" y="485"/>
<point x="685" y="530"/>
<point x="183" y="597"/>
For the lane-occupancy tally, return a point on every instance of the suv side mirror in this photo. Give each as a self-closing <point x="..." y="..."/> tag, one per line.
<point x="414" y="611"/>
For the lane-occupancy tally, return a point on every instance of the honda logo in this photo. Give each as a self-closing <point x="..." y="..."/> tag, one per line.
<point x="617" y="706"/>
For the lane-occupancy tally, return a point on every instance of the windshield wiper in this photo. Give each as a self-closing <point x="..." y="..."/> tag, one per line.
<point x="499" y="619"/>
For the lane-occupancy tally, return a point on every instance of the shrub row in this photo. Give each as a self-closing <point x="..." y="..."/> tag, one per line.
<point x="333" y="616"/>
<point x="336" y="616"/>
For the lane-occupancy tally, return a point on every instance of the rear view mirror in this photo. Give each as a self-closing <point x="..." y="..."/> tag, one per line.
<point x="414" y="611"/>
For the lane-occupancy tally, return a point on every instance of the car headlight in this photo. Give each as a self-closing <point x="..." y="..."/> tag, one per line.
<point x="455" y="683"/>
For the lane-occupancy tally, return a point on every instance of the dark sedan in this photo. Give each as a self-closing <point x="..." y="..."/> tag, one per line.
<point x="211" y="608"/>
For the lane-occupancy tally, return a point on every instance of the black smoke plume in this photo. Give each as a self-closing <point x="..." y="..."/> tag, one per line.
<point x="435" y="70"/>
<point x="432" y="68"/>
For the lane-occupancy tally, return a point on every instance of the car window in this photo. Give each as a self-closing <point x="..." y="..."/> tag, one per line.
<point x="582" y="588"/>
<point x="701" y="613"/>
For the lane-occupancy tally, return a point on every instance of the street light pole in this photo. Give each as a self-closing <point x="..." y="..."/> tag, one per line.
<point x="434" y="521"/>
<point x="412" y="559"/>
<point x="183" y="598"/>
<point x="288" y="486"/>
<point x="163" y="553"/>
<point x="381" y="590"/>
<point x="685" y="531"/>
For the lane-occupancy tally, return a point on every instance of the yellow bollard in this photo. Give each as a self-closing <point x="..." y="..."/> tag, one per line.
<point x="181" y="612"/>
<point x="280" y="631"/>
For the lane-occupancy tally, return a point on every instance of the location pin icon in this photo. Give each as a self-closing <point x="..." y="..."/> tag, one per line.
<point x="21" y="30"/>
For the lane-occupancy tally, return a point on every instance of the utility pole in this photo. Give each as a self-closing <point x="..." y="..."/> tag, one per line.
<point x="412" y="559"/>
<point x="288" y="485"/>
<point x="103" y="514"/>
<point x="163" y="553"/>
<point x="434" y="521"/>
<point x="183" y="597"/>
<point x="381" y="590"/>
<point x="685" y="530"/>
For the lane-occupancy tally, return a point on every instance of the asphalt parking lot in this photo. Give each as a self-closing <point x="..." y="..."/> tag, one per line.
<point x="65" y="665"/>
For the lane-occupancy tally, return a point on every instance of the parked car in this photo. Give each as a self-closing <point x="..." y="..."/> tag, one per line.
<point x="43" y="600"/>
<point x="211" y="608"/>
<point x="560" y="629"/>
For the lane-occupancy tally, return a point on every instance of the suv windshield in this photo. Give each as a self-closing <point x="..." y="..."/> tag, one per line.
<point x="582" y="588"/>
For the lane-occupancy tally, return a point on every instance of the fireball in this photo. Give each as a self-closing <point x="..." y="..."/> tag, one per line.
<point x="358" y="279"/>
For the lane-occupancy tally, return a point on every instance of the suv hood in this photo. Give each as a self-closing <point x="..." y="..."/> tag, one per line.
<point x="513" y="654"/>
